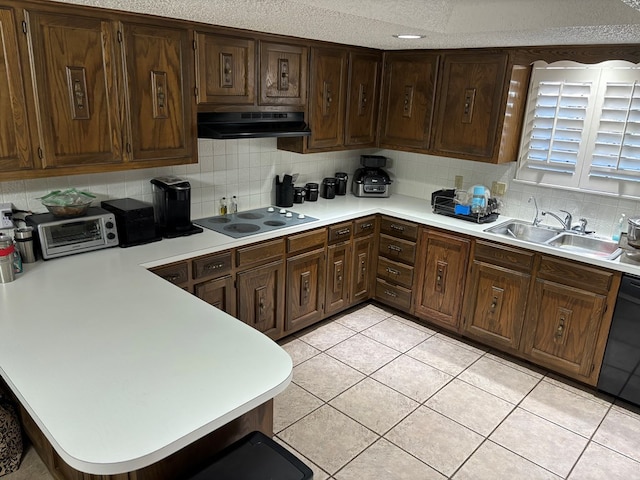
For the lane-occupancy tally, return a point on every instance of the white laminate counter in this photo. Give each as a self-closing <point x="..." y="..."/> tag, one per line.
<point x="120" y="368"/>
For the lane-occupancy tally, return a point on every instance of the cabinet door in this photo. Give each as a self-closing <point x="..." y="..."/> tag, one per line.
<point x="408" y="99"/>
<point x="161" y="108"/>
<point x="74" y="67"/>
<point x="305" y="288"/>
<point x="470" y="104"/>
<point x="226" y="69"/>
<point x="15" y="143"/>
<point x="283" y="74"/>
<point x="562" y="328"/>
<point x="442" y="262"/>
<point x="337" y="291"/>
<point x="362" y="272"/>
<point x="326" y="105"/>
<point x="260" y="298"/>
<point x="219" y="293"/>
<point x="497" y="301"/>
<point x="362" y="100"/>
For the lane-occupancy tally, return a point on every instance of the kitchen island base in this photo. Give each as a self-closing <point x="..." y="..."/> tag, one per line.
<point x="178" y="465"/>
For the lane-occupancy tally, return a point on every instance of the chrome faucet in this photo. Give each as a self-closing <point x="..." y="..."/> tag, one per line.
<point x="581" y="227"/>
<point x="537" y="219"/>
<point x="566" y="223"/>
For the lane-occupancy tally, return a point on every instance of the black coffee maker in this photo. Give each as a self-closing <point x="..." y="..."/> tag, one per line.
<point x="172" y="207"/>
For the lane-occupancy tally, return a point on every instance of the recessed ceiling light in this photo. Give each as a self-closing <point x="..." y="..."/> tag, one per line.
<point x="408" y="36"/>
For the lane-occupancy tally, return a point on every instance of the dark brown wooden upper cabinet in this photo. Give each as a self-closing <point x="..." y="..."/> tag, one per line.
<point x="15" y="140"/>
<point x="283" y="74"/>
<point x="73" y="62"/>
<point x="225" y="69"/>
<point x="473" y="95"/>
<point x="408" y="100"/>
<point x="159" y="92"/>
<point x="326" y="97"/>
<point x="362" y="101"/>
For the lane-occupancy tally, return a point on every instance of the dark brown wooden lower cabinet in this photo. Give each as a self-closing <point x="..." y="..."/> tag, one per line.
<point x="219" y="292"/>
<point x="305" y="290"/>
<point x="338" y="277"/>
<point x="362" y="269"/>
<point x="260" y="294"/>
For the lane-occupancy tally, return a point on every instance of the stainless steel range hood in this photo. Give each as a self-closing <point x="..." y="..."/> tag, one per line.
<point x="228" y="125"/>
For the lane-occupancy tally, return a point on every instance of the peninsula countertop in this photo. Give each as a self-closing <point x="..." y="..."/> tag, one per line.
<point x="120" y="368"/>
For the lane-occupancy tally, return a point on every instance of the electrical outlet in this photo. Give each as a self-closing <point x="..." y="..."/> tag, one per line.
<point x="5" y="216"/>
<point x="458" y="182"/>
<point x="501" y="188"/>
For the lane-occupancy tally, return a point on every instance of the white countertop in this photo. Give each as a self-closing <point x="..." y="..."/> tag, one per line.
<point x="119" y="368"/>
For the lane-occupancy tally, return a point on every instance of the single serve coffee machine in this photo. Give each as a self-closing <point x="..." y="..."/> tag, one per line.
<point x="172" y="207"/>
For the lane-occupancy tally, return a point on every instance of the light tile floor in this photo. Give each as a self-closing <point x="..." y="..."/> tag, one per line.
<point x="376" y="395"/>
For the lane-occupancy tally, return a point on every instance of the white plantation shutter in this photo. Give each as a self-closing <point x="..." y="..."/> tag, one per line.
<point x="582" y="127"/>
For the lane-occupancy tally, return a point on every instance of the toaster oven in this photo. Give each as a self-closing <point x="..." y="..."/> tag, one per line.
<point x="57" y="237"/>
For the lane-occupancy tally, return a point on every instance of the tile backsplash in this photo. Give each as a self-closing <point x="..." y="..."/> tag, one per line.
<point x="247" y="169"/>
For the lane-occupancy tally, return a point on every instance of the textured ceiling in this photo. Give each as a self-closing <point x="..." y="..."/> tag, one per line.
<point x="445" y="24"/>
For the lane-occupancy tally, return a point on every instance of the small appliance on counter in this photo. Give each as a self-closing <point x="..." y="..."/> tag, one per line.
<point x="172" y="207"/>
<point x="57" y="237"/>
<point x="135" y="221"/>
<point x="312" y="191"/>
<point x="328" y="190"/>
<point x="341" y="183"/>
<point x="474" y="206"/>
<point x="370" y="180"/>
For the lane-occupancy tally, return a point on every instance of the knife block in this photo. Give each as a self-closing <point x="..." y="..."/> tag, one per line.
<point x="284" y="194"/>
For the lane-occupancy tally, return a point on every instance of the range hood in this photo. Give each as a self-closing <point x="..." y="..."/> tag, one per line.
<point x="228" y="125"/>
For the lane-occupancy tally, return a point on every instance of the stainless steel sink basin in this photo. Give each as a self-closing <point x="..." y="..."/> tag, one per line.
<point x="588" y="246"/>
<point x="525" y="231"/>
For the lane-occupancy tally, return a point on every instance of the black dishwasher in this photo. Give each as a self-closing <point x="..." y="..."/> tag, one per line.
<point x="620" y="374"/>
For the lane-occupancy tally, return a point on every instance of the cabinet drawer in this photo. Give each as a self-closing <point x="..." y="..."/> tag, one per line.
<point x="395" y="272"/>
<point x="260" y="253"/>
<point x="340" y="232"/>
<point x="399" y="228"/>
<point x="177" y="273"/>
<point x="393" y="294"/>
<point x="306" y="241"/>
<point x="212" y="265"/>
<point x="397" y="249"/>
<point x="587" y="278"/>
<point x="504" y="256"/>
<point x="364" y="226"/>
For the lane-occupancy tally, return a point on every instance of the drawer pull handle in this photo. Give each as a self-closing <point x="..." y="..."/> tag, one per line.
<point x="344" y="231"/>
<point x="366" y="226"/>
<point x="173" y="278"/>
<point x="213" y="266"/>
<point x="560" y="329"/>
<point x="395" y="248"/>
<point x="494" y="303"/>
<point x="390" y="293"/>
<point x="399" y="228"/>
<point x="393" y="271"/>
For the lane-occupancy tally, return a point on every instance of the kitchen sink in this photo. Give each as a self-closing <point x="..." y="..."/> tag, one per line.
<point x="588" y="246"/>
<point x="525" y="231"/>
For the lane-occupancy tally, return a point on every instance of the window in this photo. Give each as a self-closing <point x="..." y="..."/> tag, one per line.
<point x="582" y="128"/>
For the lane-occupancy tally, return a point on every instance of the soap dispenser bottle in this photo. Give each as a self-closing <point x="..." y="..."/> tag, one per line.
<point x="619" y="228"/>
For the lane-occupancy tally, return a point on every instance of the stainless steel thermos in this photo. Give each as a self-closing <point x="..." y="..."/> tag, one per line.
<point x="24" y="244"/>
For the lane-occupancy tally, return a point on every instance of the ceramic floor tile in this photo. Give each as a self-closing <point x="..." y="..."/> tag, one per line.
<point x="31" y="467"/>
<point x="499" y="379"/>
<point x="467" y="344"/>
<point x="544" y="443"/>
<point x="363" y="318"/>
<point x="325" y="377"/>
<point x="493" y="462"/>
<point x="436" y="440"/>
<point x="374" y="405"/>
<point x="328" y="438"/>
<point x="620" y="431"/>
<point x="578" y="389"/>
<point x="363" y="354"/>
<point x="598" y="462"/>
<point x="327" y="335"/>
<point x="318" y="473"/>
<point x="568" y="409"/>
<point x="444" y="355"/>
<point x="472" y="407"/>
<point x="384" y="461"/>
<point x="415" y="379"/>
<point x="396" y="335"/>
<point x="291" y="405"/>
<point x="299" y="351"/>
<point x="413" y="322"/>
<point x="518" y="364"/>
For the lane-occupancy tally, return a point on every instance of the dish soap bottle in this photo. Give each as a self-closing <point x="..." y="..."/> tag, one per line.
<point x="223" y="206"/>
<point x="618" y="229"/>
<point x="233" y="206"/>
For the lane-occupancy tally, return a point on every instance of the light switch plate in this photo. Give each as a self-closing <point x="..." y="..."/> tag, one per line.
<point x="5" y="216"/>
